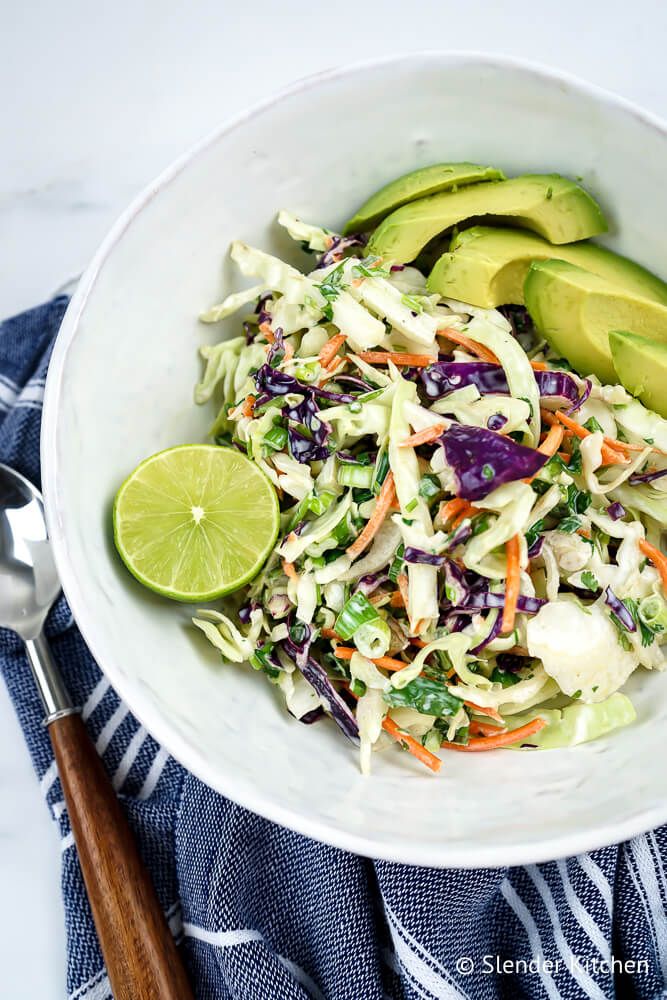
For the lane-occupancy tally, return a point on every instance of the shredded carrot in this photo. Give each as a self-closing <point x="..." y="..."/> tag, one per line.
<point x="289" y="570"/>
<point x="423" y="437"/>
<point x="467" y="511"/>
<point x="396" y="600"/>
<point x="402" y="581"/>
<point x="610" y="456"/>
<point x="552" y="441"/>
<point x="265" y="328"/>
<point x="478" y="728"/>
<point x="490" y="712"/>
<point x="501" y="740"/>
<point x="384" y="662"/>
<point x="628" y="446"/>
<point x="328" y="633"/>
<point x="415" y="748"/>
<point x="539" y="366"/>
<point x="382" y="505"/>
<point x="248" y="406"/>
<point x="450" y="508"/>
<point x="397" y="357"/>
<point x="471" y="346"/>
<point x="548" y="417"/>
<point x="418" y="642"/>
<point x="549" y="445"/>
<point x="513" y="552"/>
<point x="658" y="558"/>
<point x="583" y="533"/>
<point x="331" y="349"/>
<point x="564" y="456"/>
<point x="343" y="652"/>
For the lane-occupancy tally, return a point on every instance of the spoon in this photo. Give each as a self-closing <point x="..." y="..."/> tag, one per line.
<point x="140" y="955"/>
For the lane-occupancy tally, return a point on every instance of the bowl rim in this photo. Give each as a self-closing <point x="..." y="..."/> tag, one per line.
<point x="157" y="724"/>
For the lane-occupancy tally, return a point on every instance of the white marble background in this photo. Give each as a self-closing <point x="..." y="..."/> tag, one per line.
<point x="96" y="99"/>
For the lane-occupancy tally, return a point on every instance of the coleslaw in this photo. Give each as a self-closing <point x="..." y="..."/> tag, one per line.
<point x="469" y="552"/>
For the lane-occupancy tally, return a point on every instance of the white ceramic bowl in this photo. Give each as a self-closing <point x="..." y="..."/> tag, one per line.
<point x="120" y="388"/>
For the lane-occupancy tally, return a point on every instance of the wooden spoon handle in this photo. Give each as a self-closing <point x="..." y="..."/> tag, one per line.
<point x="138" y="948"/>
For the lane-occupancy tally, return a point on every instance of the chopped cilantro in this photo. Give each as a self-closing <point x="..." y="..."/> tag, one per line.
<point x="569" y="525"/>
<point x="589" y="581"/>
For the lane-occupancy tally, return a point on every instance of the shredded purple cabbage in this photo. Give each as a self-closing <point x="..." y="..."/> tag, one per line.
<point x="496" y="421"/>
<point x="582" y="399"/>
<point x="249" y="330"/>
<point x="456" y="586"/>
<point x="312" y="716"/>
<point x="261" y="302"/>
<point x="443" y="377"/>
<point x="397" y="267"/>
<point x="278" y="605"/>
<point x="647" y="477"/>
<point x="616" y="511"/>
<point x="277" y="349"/>
<point x="349" y="459"/>
<point x="355" y="381"/>
<point x="460" y="535"/>
<point x="413" y="555"/>
<point x="535" y="549"/>
<point x="556" y="388"/>
<point x="482" y="599"/>
<point x="367" y="584"/>
<point x="334" y="397"/>
<point x="523" y="328"/>
<point x="483" y="460"/>
<point x="494" y="631"/>
<point x="316" y="676"/>
<point x="620" y="610"/>
<point x="305" y="449"/>
<point x="338" y="246"/>
<point x="245" y="612"/>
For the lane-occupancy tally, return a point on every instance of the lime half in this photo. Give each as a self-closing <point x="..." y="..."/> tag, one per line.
<point x="196" y="521"/>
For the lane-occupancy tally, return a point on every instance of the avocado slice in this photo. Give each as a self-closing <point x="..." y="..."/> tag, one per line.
<point x="575" y="310"/>
<point x="641" y="368"/>
<point x="418" y="184"/>
<point x="487" y="267"/>
<point x="553" y="206"/>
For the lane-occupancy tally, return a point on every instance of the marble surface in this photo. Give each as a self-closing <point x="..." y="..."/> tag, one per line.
<point x="98" y="104"/>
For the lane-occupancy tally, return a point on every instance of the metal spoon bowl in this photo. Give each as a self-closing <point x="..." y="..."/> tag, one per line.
<point x="140" y="955"/>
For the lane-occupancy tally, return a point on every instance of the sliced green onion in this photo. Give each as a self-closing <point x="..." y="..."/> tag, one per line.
<point x="410" y="506"/>
<point x="356" y="612"/>
<point x="357" y="687"/>
<point x="307" y="372"/>
<point x="276" y="438"/>
<point x="355" y="475"/>
<point x="397" y="564"/>
<point x="355" y="407"/>
<point x="373" y="639"/>
<point x="429" y="487"/>
<point x="653" y="612"/>
<point x="381" y="470"/>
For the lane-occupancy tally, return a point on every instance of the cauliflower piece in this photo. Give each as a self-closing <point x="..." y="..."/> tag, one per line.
<point x="579" y="649"/>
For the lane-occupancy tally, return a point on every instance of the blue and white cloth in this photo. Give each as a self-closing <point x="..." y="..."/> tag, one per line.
<point x="264" y="914"/>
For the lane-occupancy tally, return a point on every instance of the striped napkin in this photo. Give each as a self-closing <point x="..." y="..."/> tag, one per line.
<point x="262" y="913"/>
